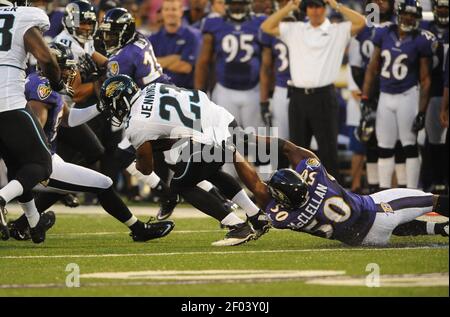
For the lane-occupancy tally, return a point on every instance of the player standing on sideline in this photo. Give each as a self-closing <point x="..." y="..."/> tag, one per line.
<point x="360" y="52"/>
<point x="51" y="111"/>
<point x="435" y="132"/>
<point x="25" y="152"/>
<point x="233" y="41"/>
<point x="275" y="55"/>
<point x="402" y="56"/>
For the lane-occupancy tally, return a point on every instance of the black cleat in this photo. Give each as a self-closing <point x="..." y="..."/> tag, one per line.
<point x="70" y="200"/>
<point x="167" y="207"/>
<point x="442" y="229"/>
<point x="152" y="230"/>
<point x="237" y="235"/>
<point x="46" y="221"/>
<point x="4" y="231"/>
<point x="18" y="233"/>
<point x="260" y="223"/>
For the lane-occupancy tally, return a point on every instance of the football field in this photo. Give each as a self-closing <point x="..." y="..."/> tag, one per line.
<point x="88" y="253"/>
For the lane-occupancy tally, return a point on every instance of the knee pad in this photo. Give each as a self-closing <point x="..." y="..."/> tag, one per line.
<point x="372" y="155"/>
<point x="411" y="151"/>
<point x="385" y="153"/>
<point x="400" y="155"/>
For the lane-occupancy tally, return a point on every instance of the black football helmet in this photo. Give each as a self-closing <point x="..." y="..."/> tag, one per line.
<point x="238" y="10"/>
<point x="66" y="61"/>
<point x="77" y="13"/>
<point x="117" y="95"/>
<point x="118" y="28"/>
<point x="440" y="12"/>
<point x="409" y="14"/>
<point x="288" y="188"/>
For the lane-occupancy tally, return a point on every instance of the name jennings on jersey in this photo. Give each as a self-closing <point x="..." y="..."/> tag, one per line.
<point x="169" y="112"/>
<point x="330" y="211"/>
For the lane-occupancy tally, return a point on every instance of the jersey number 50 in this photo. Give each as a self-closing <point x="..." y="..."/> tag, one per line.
<point x="6" y="24"/>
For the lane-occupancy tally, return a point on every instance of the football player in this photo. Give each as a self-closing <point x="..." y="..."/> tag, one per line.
<point x="132" y="54"/>
<point x="275" y="55"/>
<point x="51" y="111"/>
<point x="435" y="132"/>
<point x="310" y="200"/>
<point x="233" y="41"/>
<point x="163" y="117"/>
<point x="402" y="56"/>
<point x="360" y="53"/>
<point x="25" y="151"/>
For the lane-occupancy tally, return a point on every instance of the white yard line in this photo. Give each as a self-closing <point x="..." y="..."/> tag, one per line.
<point x="82" y="234"/>
<point x="115" y="255"/>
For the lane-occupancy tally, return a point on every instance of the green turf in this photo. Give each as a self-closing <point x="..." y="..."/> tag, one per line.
<point x="192" y="251"/>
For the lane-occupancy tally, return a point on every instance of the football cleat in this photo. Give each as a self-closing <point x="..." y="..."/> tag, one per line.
<point x="18" y="233"/>
<point x="4" y="231"/>
<point x="167" y="208"/>
<point x="237" y="235"/>
<point x="442" y="229"/>
<point x="46" y="221"/>
<point x="152" y="230"/>
<point x="260" y="223"/>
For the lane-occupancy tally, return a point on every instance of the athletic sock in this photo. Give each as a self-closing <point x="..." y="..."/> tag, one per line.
<point x="412" y="172"/>
<point x="243" y="201"/>
<point x="400" y="172"/>
<point x="231" y="220"/>
<point x="372" y="174"/>
<point x="12" y="190"/>
<point x="386" y="168"/>
<point x="31" y="213"/>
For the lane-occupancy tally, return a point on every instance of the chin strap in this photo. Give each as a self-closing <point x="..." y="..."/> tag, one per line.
<point x="6" y="3"/>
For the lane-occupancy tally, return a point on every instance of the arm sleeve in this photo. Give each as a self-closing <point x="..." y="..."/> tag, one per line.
<point x="79" y="116"/>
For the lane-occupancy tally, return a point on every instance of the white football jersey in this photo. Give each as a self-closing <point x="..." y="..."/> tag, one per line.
<point x="168" y="112"/>
<point x="78" y="49"/>
<point x="14" y="23"/>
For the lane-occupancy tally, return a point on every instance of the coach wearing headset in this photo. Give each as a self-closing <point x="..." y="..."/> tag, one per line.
<point x="316" y="49"/>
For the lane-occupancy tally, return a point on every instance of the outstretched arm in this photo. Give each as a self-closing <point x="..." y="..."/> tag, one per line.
<point x="272" y="24"/>
<point x="251" y="179"/>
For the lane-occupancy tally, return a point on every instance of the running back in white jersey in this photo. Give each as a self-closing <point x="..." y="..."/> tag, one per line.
<point x="14" y="23"/>
<point x="78" y="49"/>
<point x="168" y="112"/>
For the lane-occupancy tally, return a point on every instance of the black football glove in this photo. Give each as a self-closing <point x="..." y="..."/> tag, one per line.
<point x="367" y="123"/>
<point x="63" y="88"/>
<point x="266" y="114"/>
<point x="419" y="122"/>
<point x="89" y="70"/>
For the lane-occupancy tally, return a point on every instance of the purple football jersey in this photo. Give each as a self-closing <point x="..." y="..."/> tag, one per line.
<point x="330" y="211"/>
<point x="401" y="58"/>
<point x="136" y="60"/>
<point x="280" y="54"/>
<point x="237" y="50"/>
<point x="440" y="55"/>
<point x="56" y="25"/>
<point x="38" y="88"/>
